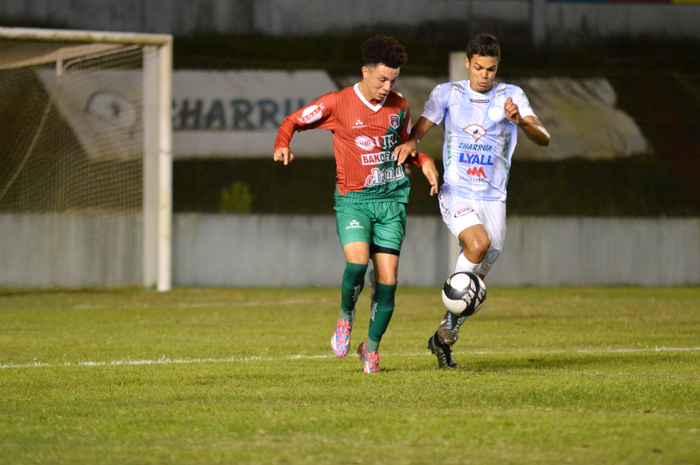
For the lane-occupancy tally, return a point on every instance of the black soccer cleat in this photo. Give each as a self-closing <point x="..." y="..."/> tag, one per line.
<point x="448" y="332"/>
<point x="443" y="352"/>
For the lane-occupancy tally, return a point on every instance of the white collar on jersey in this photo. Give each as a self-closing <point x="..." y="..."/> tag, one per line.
<point x="376" y="107"/>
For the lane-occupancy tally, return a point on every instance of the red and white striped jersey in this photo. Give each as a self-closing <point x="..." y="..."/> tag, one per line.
<point x="364" y="137"/>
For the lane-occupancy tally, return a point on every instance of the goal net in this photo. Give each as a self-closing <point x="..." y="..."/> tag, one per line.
<point x="85" y="166"/>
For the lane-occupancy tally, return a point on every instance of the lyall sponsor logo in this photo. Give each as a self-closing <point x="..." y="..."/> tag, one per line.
<point x="475" y="159"/>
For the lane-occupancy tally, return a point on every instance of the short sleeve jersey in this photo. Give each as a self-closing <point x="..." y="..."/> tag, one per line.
<point x="479" y="140"/>
<point x="364" y="137"/>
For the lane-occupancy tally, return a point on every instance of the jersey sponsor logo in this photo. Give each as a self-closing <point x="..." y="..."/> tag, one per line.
<point x="474" y="100"/>
<point x="386" y="142"/>
<point x="377" y="158"/>
<point x="475" y="147"/>
<point x="384" y="176"/>
<point x="462" y="212"/>
<point x="311" y="114"/>
<point x="476" y="131"/>
<point x="354" y="224"/>
<point x="394" y="121"/>
<point x="506" y="146"/>
<point x="479" y="172"/>
<point x="475" y="159"/>
<point x="359" y="124"/>
<point x="365" y="143"/>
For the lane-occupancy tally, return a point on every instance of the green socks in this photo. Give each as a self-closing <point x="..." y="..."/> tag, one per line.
<point x="382" y="310"/>
<point x="353" y="282"/>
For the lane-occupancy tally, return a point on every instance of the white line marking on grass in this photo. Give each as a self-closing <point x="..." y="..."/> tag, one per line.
<point x="251" y="303"/>
<point x="168" y="361"/>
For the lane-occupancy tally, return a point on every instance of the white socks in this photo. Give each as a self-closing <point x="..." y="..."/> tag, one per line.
<point x="464" y="265"/>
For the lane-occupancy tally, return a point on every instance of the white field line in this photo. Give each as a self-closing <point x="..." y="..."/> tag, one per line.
<point x="250" y="303"/>
<point x="168" y="361"/>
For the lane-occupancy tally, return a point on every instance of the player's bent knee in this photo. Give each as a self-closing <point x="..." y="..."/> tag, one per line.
<point x="476" y="251"/>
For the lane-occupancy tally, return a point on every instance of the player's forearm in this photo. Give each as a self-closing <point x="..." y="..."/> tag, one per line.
<point x="419" y="160"/>
<point x="284" y="135"/>
<point x="420" y="130"/>
<point x="536" y="132"/>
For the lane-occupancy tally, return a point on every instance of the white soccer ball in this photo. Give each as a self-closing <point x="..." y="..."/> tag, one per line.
<point x="463" y="293"/>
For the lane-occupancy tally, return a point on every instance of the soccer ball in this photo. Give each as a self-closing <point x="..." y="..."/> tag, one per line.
<point x="463" y="293"/>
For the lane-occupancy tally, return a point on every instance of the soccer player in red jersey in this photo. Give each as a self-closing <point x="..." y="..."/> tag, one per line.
<point x="368" y="120"/>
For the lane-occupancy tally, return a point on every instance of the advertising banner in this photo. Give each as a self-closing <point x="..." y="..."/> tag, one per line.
<point x="237" y="113"/>
<point x="214" y="113"/>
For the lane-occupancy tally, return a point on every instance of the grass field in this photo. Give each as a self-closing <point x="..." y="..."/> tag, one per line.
<point x="546" y="376"/>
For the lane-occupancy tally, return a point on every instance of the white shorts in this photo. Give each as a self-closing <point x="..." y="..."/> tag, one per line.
<point x="459" y="213"/>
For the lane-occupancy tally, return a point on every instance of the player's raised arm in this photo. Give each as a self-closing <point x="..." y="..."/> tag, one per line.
<point x="317" y="115"/>
<point x="410" y="147"/>
<point x="532" y="126"/>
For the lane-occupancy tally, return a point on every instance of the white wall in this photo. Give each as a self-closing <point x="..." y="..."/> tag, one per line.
<point x="290" y="250"/>
<point x="70" y="250"/>
<point x="277" y="250"/>
<point x="304" y="251"/>
<point x="599" y="252"/>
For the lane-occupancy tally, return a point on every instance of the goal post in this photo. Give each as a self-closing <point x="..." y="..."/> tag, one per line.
<point x="85" y="158"/>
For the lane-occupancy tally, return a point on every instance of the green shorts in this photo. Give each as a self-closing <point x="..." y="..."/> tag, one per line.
<point x="380" y="224"/>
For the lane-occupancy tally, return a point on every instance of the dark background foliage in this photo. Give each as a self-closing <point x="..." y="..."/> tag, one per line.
<point x="656" y="81"/>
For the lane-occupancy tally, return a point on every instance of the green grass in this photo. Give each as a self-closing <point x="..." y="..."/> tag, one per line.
<point x="579" y="375"/>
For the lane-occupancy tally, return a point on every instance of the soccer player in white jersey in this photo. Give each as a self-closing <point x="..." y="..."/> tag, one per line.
<point x="480" y="118"/>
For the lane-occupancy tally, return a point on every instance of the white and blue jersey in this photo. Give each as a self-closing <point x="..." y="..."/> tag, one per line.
<point x="479" y="140"/>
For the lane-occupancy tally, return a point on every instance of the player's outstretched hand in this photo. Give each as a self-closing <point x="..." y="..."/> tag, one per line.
<point x="512" y="112"/>
<point x="431" y="175"/>
<point x="405" y="150"/>
<point x="283" y="154"/>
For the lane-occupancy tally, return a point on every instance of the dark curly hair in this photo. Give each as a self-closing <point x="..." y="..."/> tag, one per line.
<point x="485" y="45"/>
<point x="385" y="50"/>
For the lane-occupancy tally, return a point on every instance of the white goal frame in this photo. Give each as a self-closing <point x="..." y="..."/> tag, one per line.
<point x="157" y="164"/>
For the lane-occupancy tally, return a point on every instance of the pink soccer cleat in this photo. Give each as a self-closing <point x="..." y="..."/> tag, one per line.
<point x="341" y="338"/>
<point x="371" y="359"/>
